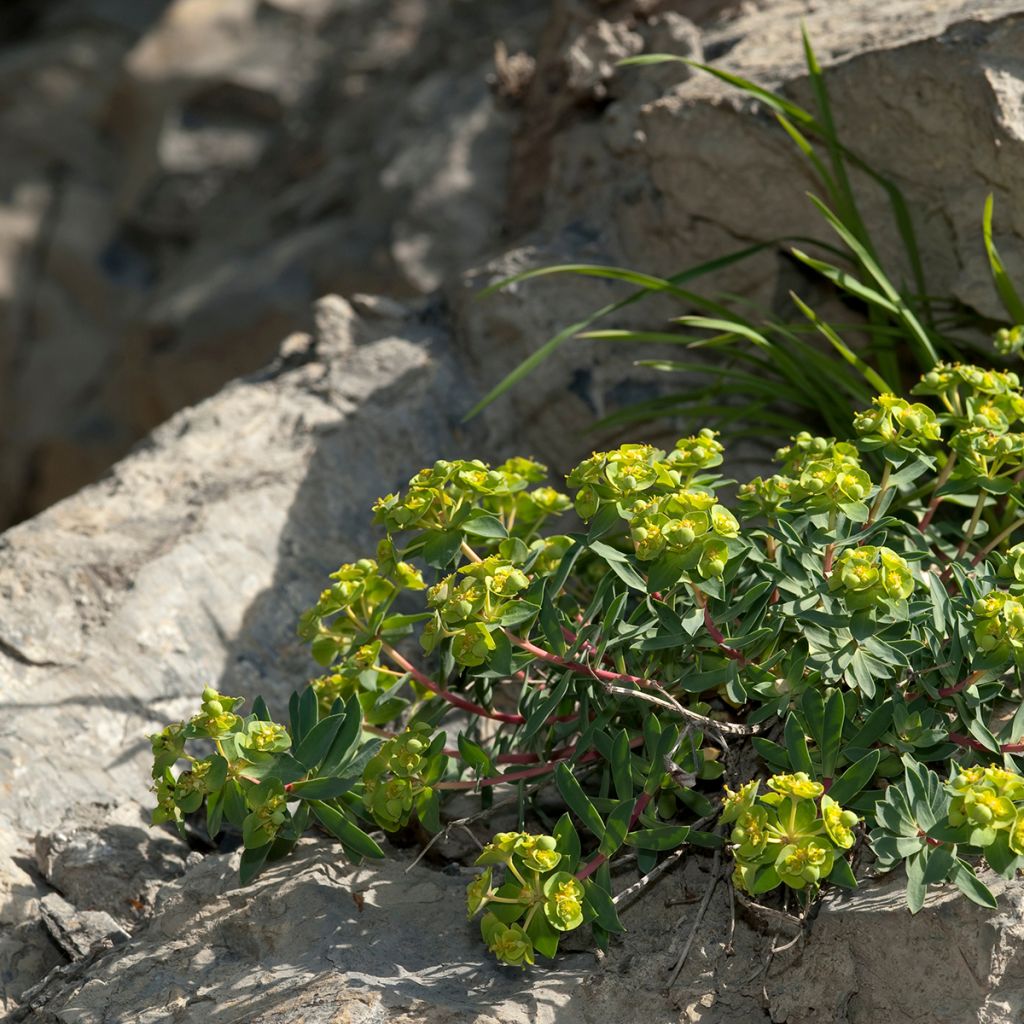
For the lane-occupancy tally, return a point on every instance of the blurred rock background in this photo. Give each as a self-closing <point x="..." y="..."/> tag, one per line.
<point x="181" y="178"/>
<point x="182" y="183"/>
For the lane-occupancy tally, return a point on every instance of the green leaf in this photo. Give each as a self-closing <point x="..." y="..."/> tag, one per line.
<point x="940" y="860"/>
<point x="604" y="909"/>
<point x="214" y="813"/>
<point x="765" y="880"/>
<point x="666" y="837"/>
<point x="234" y="803"/>
<point x="796" y="746"/>
<point x="835" y="716"/>
<point x="1004" y="286"/>
<point x="578" y="801"/>
<point x="616" y="826"/>
<point x="855" y="778"/>
<point x="844" y="350"/>
<point x="318" y="741"/>
<point x="324" y="788"/>
<point x="972" y="887"/>
<point x="303" y="712"/>
<point x="543" y="936"/>
<point x="441" y="547"/>
<point x="769" y="99"/>
<point x="622" y="769"/>
<point x="771" y="753"/>
<point x="841" y="874"/>
<point x="251" y="863"/>
<point x="916" y="888"/>
<point x="667" y="740"/>
<point x="544" y="708"/>
<point x="557" y="341"/>
<point x="568" y="842"/>
<point x="343" y="829"/>
<point x="345" y="739"/>
<point x="475" y="756"/>
<point x="481" y="524"/>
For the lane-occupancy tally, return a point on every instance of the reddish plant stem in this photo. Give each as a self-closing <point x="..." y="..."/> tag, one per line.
<point x="525" y="757"/>
<point x="950" y="690"/>
<point x="928" y="839"/>
<point x="452" y="698"/>
<point x="595" y="862"/>
<point x="973" y="744"/>
<point x="830" y="554"/>
<point x="575" y="666"/>
<point x="558" y="757"/>
<point x="715" y="633"/>
<point x="497" y="780"/>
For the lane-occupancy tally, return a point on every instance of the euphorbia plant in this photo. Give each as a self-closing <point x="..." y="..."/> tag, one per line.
<point x="855" y="621"/>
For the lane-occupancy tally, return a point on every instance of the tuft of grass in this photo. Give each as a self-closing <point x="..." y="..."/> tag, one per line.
<point x="768" y="370"/>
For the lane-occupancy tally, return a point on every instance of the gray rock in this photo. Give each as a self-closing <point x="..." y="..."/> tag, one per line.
<point x="186" y="177"/>
<point x="871" y="962"/>
<point x="108" y="859"/>
<point x="78" y="932"/>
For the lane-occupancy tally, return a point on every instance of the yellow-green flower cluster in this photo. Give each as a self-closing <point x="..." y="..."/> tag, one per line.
<point x="869" y="576"/>
<point x="768" y="495"/>
<point x="397" y="780"/>
<point x="789" y="836"/>
<point x="949" y="379"/>
<point x="662" y="498"/>
<point x="987" y="799"/>
<point x="829" y="478"/>
<point x="690" y="523"/>
<point x="1008" y="341"/>
<point x="217" y="717"/>
<point x="634" y="470"/>
<point x="537" y="901"/>
<point x="1011" y="566"/>
<point x="895" y="422"/>
<point x="359" y="674"/>
<point x="618" y="476"/>
<point x="999" y="625"/>
<point x="818" y="474"/>
<point x="436" y="494"/>
<point x="695" y="454"/>
<point x="983" y="405"/>
<point x="336" y="626"/>
<point x="268" y="814"/>
<point x="469" y="604"/>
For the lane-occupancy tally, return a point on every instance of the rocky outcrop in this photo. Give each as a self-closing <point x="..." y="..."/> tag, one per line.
<point x="316" y="939"/>
<point x="186" y="176"/>
<point x="191" y="560"/>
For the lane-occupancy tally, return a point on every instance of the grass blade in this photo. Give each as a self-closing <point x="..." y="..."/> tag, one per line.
<point x="1007" y="293"/>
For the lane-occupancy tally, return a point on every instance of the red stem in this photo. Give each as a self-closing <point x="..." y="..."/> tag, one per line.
<point x="575" y="666"/>
<point x="950" y="690"/>
<point x="453" y="698"/>
<point x="973" y="744"/>
<point x="591" y="866"/>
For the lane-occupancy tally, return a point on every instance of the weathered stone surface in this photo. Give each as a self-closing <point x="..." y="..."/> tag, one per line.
<point x="316" y="939"/>
<point x="107" y="859"/>
<point x="191" y="560"/>
<point x="870" y="962"/>
<point x="78" y="932"/>
<point x="319" y="939"/>
<point x="186" y="177"/>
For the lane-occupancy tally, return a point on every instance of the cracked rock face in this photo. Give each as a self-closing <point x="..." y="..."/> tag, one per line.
<point x="190" y="562"/>
<point x="187" y="176"/>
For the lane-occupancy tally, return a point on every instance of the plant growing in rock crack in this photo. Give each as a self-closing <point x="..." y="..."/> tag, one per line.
<point x="855" y="622"/>
<point x="752" y="370"/>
